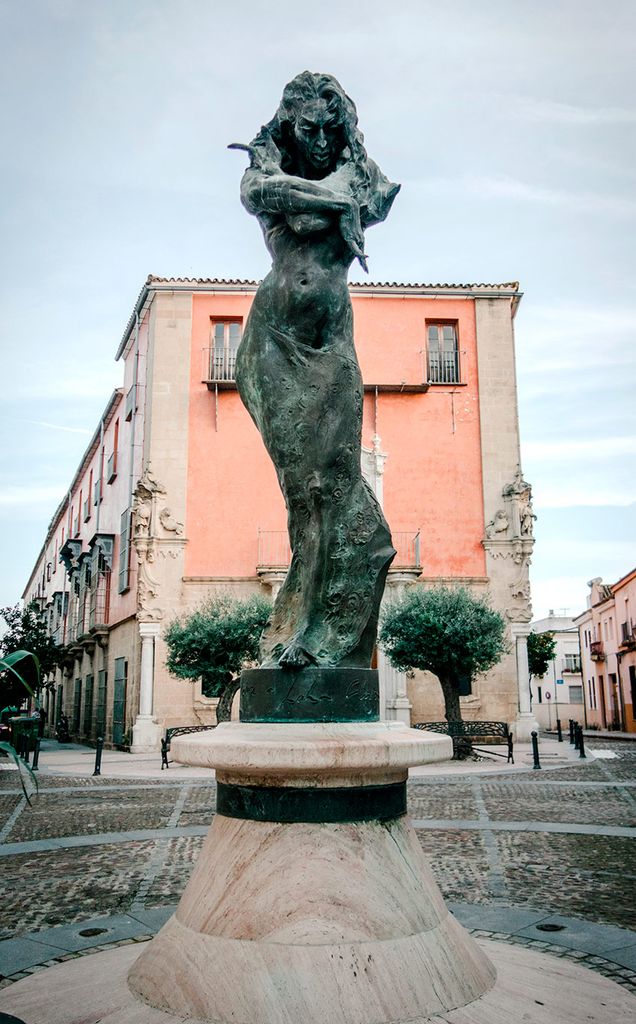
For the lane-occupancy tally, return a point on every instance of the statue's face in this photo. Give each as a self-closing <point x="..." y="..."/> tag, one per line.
<point x="316" y="133"/>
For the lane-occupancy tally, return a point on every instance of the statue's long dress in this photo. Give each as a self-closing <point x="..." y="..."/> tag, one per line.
<point x="298" y="375"/>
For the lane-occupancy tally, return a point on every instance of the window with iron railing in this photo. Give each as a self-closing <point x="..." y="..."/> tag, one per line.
<point x="100" y="598"/>
<point x="111" y="467"/>
<point x="86" y="510"/>
<point x="131" y="402"/>
<point x="442" y="354"/>
<point x="225" y="338"/>
<point x="124" y="552"/>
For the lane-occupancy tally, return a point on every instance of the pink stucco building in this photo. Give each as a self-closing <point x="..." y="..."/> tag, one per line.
<point x="176" y="496"/>
<point x="607" y="630"/>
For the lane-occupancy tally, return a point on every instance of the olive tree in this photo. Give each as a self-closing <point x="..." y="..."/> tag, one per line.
<point x="214" y="642"/>
<point x="447" y="631"/>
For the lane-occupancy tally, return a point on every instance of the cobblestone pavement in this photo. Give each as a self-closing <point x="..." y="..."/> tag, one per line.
<point x="527" y="840"/>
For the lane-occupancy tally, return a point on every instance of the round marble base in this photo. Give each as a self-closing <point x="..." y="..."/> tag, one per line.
<point x="302" y="754"/>
<point x="530" y="987"/>
<point x="340" y="923"/>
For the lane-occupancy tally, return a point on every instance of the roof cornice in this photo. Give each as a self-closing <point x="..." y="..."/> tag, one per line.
<point x="508" y="290"/>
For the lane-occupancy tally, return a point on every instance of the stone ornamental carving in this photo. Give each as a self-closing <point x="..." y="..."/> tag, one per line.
<point x="499" y="525"/>
<point x="519" y="495"/>
<point x="147" y="586"/>
<point x="155" y="531"/>
<point x="142" y="511"/>
<point x="509" y="536"/>
<point x="314" y="191"/>
<point x="516" y="519"/>
<point x="169" y="523"/>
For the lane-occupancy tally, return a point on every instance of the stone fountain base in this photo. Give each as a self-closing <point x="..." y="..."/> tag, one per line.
<point x="311" y="899"/>
<point x="312" y="903"/>
<point x="529" y="987"/>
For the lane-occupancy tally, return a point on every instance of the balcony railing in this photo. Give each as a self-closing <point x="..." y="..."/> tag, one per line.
<point x="407" y="546"/>
<point x="628" y="635"/>
<point x="596" y="650"/>
<point x="274" y="551"/>
<point x="443" y="368"/>
<point x="221" y="366"/>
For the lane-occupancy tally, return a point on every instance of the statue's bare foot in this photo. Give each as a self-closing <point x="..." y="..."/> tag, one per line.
<point x="295" y="656"/>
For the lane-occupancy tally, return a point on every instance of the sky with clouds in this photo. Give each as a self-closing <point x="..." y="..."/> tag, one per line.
<point x="511" y="127"/>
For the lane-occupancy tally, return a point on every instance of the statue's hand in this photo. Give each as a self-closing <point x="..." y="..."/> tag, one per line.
<point x="351" y="230"/>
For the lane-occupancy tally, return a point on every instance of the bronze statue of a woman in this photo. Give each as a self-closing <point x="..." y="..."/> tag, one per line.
<point x="314" y="190"/>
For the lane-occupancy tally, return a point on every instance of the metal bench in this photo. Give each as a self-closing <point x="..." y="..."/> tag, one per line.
<point x="466" y="734"/>
<point x="178" y="730"/>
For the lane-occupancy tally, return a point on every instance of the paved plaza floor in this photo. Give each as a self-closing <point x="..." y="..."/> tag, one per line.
<point x="542" y="858"/>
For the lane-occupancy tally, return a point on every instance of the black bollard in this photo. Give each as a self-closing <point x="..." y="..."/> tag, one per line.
<point x="36" y="755"/>
<point x="535" y="750"/>
<point x="581" y="746"/>
<point x="572" y="730"/>
<point x="164" y="755"/>
<point x="577" y="742"/>
<point x="559" y="731"/>
<point x="98" y="756"/>
<point x="25" y="748"/>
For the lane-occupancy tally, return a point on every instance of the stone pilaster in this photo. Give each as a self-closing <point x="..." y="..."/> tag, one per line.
<point x="146" y="730"/>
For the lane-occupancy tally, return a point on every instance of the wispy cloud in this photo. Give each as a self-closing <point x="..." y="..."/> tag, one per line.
<point x="503" y="187"/>
<point x="91" y="386"/>
<point x="565" y="337"/>
<point x="15" y="496"/>
<point x="564" y="493"/>
<point x="533" y="109"/>
<point x="580" y="448"/>
<point x="58" y="426"/>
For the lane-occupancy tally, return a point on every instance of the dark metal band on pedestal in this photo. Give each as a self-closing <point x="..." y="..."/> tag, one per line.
<point x="315" y="804"/>
<point x="310" y="695"/>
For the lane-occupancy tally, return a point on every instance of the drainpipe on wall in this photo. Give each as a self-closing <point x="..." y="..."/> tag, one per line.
<point x="133" y="421"/>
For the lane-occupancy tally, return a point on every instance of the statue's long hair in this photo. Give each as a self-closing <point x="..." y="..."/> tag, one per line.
<point x="280" y="130"/>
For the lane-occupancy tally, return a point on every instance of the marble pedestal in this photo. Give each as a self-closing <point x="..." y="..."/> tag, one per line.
<point x="146" y="735"/>
<point x="320" y="920"/>
<point x="530" y="987"/>
<point x="523" y="727"/>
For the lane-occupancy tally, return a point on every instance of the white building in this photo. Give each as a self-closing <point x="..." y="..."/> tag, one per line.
<point x="559" y="693"/>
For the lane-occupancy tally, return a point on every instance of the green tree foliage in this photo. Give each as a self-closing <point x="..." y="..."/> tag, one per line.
<point x="216" y="641"/>
<point x="25" y="632"/>
<point x="541" y="650"/>
<point x="447" y="631"/>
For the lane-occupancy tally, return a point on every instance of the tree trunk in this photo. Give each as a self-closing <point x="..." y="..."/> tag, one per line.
<point x="224" y="707"/>
<point x="451" y="699"/>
